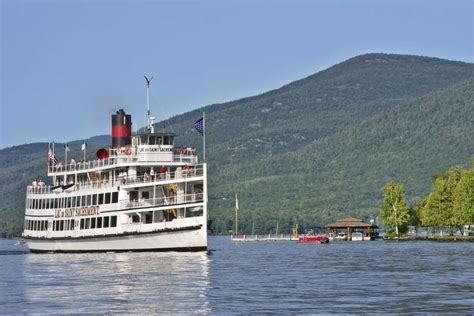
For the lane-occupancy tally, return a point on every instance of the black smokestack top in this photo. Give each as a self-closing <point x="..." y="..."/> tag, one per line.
<point x="121" y="129"/>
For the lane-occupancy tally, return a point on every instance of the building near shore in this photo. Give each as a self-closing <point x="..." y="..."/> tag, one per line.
<point x="351" y="229"/>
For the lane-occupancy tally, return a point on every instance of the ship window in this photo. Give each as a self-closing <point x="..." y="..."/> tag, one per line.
<point x="61" y="225"/>
<point x="114" y="197"/>
<point x="113" y="221"/>
<point x="82" y="223"/>
<point x="145" y="195"/>
<point x="89" y="200"/>
<point x="94" y="199"/>
<point x="40" y="225"/>
<point x="159" y="140"/>
<point x="55" y="203"/>
<point x="78" y="201"/>
<point x="47" y="203"/>
<point x="56" y="225"/>
<point x="45" y="225"/>
<point x="72" y="224"/>
<point x="88" y="223"/>
<point x="171" y="140"/>
<point x="99" y="222"/>
<point x="73" y="201"/>
<point x="107" y="198"/>
<point x="151" y="140"/>
<point x="106" y="221"/>
<point x="101" y="198"/>
<point x="83" y="200"/>
<point x="166" y="140"/>
<point x="93" y="222"/>
<point x="149" y="218"/>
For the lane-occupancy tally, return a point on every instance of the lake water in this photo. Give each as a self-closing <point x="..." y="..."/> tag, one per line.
<point x="245" y="278"/>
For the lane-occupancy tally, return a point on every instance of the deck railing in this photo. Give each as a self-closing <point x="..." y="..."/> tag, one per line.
<point x="159" y="177"/>
<point x="112" y="161"/>
<point x="163" y="201"/>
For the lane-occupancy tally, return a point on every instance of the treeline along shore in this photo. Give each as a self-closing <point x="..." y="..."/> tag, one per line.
<point x="445" y="214"/>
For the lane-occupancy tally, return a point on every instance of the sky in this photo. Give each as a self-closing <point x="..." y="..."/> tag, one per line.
<point x="67" y="65"/>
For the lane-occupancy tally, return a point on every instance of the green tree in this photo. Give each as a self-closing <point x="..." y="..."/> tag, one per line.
<point x="394" y="211"/>
<point x="439" y="208"/>
<point x="463" y="199"/>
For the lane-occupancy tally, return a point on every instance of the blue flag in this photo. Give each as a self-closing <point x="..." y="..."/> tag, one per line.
<point x="199" y="126"/>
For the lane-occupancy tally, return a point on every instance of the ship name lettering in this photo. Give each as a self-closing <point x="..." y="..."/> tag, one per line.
<point x="76" y="211"/>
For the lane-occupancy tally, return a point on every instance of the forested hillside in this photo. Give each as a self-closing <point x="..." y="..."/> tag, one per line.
<point x="316" y="149"/>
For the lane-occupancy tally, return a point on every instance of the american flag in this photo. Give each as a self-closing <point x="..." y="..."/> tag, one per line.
<point x="52" y="160"/>
<point x="199" y="126"/>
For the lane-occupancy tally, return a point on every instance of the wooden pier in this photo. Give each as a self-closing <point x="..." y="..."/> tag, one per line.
<point x="267" y="237"/>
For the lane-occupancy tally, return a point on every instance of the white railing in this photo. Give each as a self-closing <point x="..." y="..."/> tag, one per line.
<point x="159" y="177"/>
<point x="163" y="201"/>
<point x="178" y="174"/>
<point x="112" y="161"/>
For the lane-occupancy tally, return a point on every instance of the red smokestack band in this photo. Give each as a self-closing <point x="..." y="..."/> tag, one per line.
<point x="121" y="131"/>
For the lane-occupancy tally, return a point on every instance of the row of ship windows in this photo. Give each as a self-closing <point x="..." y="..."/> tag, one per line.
<point x="68" y="224"/>
<point x="74" y="201"/>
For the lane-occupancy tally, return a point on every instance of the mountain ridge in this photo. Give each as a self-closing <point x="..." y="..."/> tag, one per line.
<point x="262" y="141"/>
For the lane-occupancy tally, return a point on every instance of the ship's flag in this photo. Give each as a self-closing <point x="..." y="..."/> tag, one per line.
<point x="199" y="125"/>
<point x="83" y="146"/>
<point x="52" y="160"/>
<point x="66" y="147"/>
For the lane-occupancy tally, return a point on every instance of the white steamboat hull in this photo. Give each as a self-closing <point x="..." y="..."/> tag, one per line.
<point x="192" y="239"/>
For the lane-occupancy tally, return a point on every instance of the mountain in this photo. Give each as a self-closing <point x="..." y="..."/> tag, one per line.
<point x="314" y="150"/>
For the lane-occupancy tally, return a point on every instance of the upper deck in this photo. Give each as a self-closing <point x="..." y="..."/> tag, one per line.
<point x="140" y="155"/>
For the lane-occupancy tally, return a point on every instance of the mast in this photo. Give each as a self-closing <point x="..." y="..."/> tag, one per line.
<point x="204" y="135"/>
<point x="236" y="215"/>
<point x="150" y="125"/>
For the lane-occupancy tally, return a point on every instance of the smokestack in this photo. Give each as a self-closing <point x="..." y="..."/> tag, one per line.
<point x="121" y="129"/>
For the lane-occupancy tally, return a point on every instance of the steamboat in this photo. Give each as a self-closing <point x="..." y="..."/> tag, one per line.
<point x="141" y="194"/>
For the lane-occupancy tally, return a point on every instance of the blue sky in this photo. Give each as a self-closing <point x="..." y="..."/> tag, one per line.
<point x="66" y="65"/>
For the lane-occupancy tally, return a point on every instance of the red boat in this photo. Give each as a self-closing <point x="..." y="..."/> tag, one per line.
<point x="313" y="239"/>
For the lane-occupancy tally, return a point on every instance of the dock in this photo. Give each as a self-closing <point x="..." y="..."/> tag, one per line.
<point x="266" y="237"/>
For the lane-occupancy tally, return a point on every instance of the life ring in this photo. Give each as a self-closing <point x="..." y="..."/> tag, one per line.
<point x="128" y="151"/>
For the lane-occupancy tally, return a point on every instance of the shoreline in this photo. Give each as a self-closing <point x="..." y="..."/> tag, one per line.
<point x="434" y="238"/>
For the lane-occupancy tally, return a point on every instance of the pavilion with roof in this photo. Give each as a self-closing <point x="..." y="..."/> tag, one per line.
<point x="344" y="228"/>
